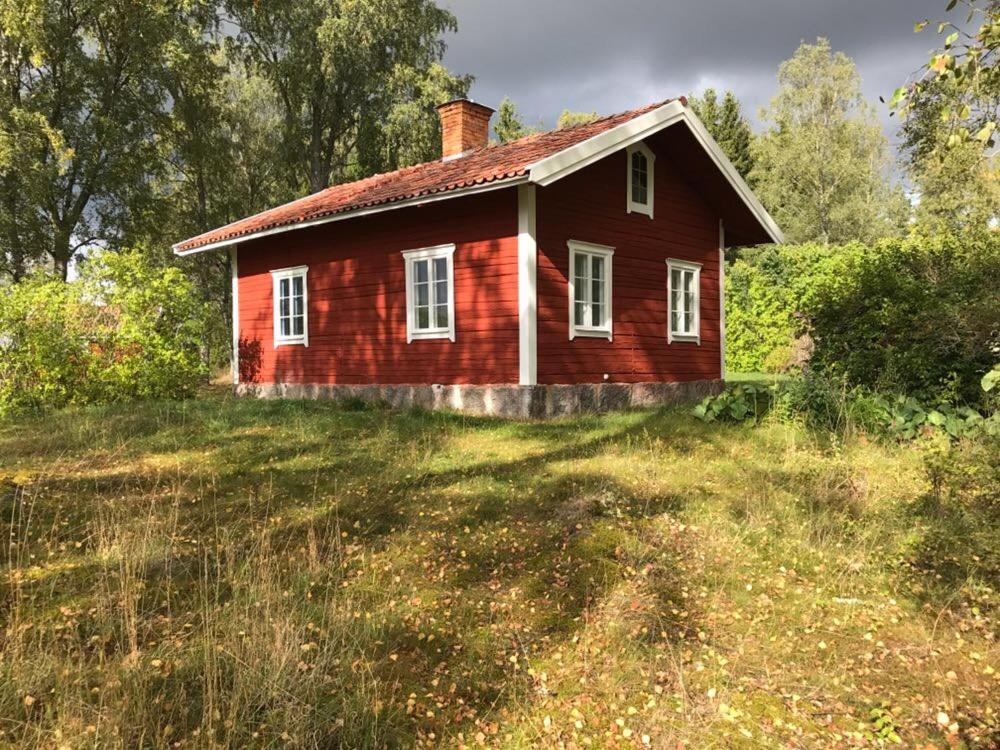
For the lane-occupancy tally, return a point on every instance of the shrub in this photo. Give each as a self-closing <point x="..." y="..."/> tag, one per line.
<point x="125" y="330"/>
<point x="917" y="317"/>
<point x="914" y="316"/>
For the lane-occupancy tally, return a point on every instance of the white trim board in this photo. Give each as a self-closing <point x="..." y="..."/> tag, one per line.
<point x="527" y="286"/>
<point x="555" y="167"/>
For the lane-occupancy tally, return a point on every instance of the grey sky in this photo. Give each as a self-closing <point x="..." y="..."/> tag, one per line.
<point x="548" y="55"/>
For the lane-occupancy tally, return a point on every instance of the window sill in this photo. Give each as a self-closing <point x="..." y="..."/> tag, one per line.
<point x="291" y="342"/>
<point x="684" y="338"/>
<point x="421" y="335"/>
<point x="592" y="333"/>
<point x="640" y="209"/>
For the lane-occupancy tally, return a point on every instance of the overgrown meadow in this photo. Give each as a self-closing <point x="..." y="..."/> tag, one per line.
<point x="227" y="572"/>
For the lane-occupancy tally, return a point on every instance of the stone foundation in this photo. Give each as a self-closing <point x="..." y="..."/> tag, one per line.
<point x="512" y="401"/>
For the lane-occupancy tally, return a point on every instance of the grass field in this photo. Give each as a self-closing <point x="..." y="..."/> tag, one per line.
<point x="248" y="574"/>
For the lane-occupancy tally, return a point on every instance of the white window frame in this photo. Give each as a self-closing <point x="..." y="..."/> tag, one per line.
<point x="277" y="276"/>
<point x="631" y="205"/>
<point x="429" y="253"/>
<point x="695" y="268"/>
<point x="605" y="330"/>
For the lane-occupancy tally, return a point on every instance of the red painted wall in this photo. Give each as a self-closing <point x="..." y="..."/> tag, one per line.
<point x="590" y="206"/>
<point x="357" y="297"/>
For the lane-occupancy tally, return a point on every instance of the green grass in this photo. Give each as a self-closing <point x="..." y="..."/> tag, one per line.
<point x="244" y="573"/>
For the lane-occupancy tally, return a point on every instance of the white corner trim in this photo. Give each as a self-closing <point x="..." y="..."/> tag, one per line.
<point x="591" y="248"/>
<point x="630" y="205"/>
<point x="418" y="201"/>
<point x="722" y="300"/>
<point x="277" y="275"/>
<point x="429" y="253"/>
<point x="559" y="165"/>
<point x="527" y="285"/>
<point x="684" y="265"/>
<point x="234" y="275"/>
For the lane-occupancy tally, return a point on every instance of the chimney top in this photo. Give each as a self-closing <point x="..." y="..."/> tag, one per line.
<point x="465" y="125"/>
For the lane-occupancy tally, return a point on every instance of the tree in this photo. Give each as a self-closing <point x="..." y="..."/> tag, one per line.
<point x="86" y="81"/>
<point x="821" y="166"/>
<point x="965" y="69"/>
<point x="728" y="126"/>
<point x="337" y="68"/>
<point x="949" y="116"/>
<point x="569" y="118"/>
<point x="508" y="126"/>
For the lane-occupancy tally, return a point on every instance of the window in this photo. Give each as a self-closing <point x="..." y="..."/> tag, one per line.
<point x="589" y="290"/>
<point x="291" y="309"/>
<point x="430" y="296"/>
<point x="683" y="293"/>
<point x="640" y="179"/>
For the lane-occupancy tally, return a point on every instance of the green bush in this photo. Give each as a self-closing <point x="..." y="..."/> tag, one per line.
<point x="915" y="316"/>
<point x="125" y="330"/>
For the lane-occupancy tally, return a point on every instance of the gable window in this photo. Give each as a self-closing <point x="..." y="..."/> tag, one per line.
<point x="430" y="293"/>
<point x="640" y="179"/>
<point x="589" y="289"/>
<point x="684" y="293"/>
<point x="291" y="309"/>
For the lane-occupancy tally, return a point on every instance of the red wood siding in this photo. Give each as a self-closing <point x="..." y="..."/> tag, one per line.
<point x="357" y="298"/>
<point x="590" y="206"/>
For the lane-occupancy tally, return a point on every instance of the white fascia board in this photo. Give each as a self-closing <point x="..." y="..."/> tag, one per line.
<point x="555" y="167"/>
<point x="419" y="201"/>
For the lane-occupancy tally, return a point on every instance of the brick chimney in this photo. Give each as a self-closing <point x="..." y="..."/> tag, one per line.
<point x="465" y="125"/>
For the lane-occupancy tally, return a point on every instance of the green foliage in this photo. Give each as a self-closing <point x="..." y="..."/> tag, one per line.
<point x="85" y="90"/>
<point x="508" y="126"/>
<point x="745" y="402"/>
<point x="884" y="725"/>
<point x="728" y="126"/>
<point x="912" y="316"/>
<point x="338" y="67"/>
<point x="898" y="316"/>
<point x="964" y="66"/>
<point x="568" y="118"/>
<point x="821" y="166"/>
<point x="127" y="330"/>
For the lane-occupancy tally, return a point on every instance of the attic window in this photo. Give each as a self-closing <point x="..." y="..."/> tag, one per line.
<point x="640" y="179"/>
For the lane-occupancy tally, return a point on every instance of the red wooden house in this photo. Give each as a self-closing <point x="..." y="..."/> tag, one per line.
<point x="574" y="269"/>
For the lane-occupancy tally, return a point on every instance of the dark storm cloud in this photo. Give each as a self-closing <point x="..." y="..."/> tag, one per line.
<point x="548" y="55"/>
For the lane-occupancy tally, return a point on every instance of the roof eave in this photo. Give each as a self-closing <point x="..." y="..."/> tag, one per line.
<point x="367" y="210"/>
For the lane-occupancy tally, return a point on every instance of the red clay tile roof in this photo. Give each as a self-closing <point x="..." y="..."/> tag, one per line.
<point x="491" y="163"/>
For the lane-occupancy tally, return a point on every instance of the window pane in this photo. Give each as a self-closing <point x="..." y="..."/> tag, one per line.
<point x="580" y="266"/>
<point x="689" y="322"/>
<point x="420" y="270"/>
<point x="640" y="178"/>
<point x="284" y="307"/>
<point x="579" y="310"/>
<point x="297" y="305"/>
<point x="441" y="269"/>
<point x="675" y="320"/>
<point x="597" y="314"/>
<point x="423" y="317"/>
<point x="297" y="326"/>
<point x="597" y="294"/>
<point x="422" y="294"/>
<point x="286" y="326"/>
<point x="688" y="281"/>
<point x="597" y="266"/>
<point x="441" y="313"/>
<point x="676" y="309"/>
<point x="441" y="292"/>
<point x="297" y="285"/>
